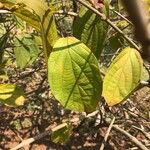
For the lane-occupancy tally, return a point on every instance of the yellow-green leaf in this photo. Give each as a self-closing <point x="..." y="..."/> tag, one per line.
<point x="11" y="95"/>
<point x="123" y="76"/>
<point x="74" y="75"/>
<point x="145" y="75"/>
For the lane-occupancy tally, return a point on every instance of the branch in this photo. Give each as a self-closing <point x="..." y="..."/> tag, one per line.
<point x="107" y="133"/>
<point x="132" y="138"/>
<point x="104" y="18"/>
<point x="31" y="140"/>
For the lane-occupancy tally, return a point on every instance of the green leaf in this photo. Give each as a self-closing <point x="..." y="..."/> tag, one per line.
<point x="74" y="75"/>
<point x="62" y="135"/>
<point x="115" y="42"/>
<point x="123" y="76"/>
<point x="88" y="28"/>
<point x="26" y="50"/>
<point x="11" y="95"/>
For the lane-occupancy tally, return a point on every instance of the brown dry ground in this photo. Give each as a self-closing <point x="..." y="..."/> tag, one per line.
<point x="40" y="111"/>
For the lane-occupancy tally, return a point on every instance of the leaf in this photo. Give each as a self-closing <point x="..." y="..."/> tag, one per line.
<point x="49" y="32"/>
<point x="46" y="22"/>
<point x="22" y="13"/>
<point x="61" y="136"/>
<point x="88" y="28"/>
<point x="123" y="76"/>
<point x="122" y="24"/>
<point x="11" y="95"/>
<point x="40" y="16"/>
<point x="116" y="42"/>
<point x="29" y="17"/>
<point x="74" y="75"/>
<point x="26" y="50"/>
<point x="145" y="75"/>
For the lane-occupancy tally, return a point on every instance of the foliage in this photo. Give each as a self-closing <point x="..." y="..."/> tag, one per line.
<point x="123" y="76"/>
<point x="92" y="31"/>
<point x="73" y="62"/>
<point x="11" y="94"/>
<point x="26" y="50"/>
<point x="74" y="75"/>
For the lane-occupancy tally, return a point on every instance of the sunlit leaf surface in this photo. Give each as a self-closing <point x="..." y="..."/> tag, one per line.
<point x="11" y="95"/>
<point x="74" y="75"/>
<point x="123" y="76"/>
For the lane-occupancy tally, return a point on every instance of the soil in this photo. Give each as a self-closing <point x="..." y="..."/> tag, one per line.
<point x="41" y="110"/>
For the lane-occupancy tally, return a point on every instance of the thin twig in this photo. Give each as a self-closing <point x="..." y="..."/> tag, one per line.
<point x="4" y="11"/>
<point x="120" y="15"/>
<point x="145" y="133"/>
<point x="107" y="134"/>
<point x="132" y="138"/>
<point x="135" y="114"/>
<point x="104" y="18"/>
<point x="66" y="13"/>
